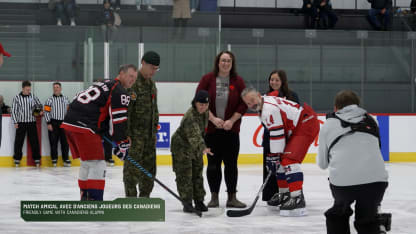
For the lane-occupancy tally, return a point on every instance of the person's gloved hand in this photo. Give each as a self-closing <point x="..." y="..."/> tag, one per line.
<point x="271" y="160"/>
<point x="122" y="149"/>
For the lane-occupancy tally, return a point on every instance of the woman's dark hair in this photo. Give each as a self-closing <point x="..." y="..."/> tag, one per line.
<point x="233" y="71"/>
<point x="284" y="89"/>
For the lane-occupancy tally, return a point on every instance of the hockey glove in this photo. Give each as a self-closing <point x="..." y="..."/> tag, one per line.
<point x="271" y="161"/>
<point x="122" y="149"/>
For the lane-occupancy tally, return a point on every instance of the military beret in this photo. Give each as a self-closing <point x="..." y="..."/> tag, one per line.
<point x="151" y="57"/>
<point x="201" y="96"/>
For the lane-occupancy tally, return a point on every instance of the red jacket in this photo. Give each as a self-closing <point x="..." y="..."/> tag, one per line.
<point x="235" y="103"/>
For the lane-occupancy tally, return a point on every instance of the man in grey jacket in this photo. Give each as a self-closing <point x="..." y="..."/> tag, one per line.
<point x="349" y="147"/>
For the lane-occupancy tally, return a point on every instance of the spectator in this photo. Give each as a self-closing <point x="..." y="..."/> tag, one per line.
<point x="5" y="109"/>
<point x="180" y="14"/>
<point x="108" y="21"/>
<point x="278" y="86"/>
<point x="188" y="148"/>
<point x="63" y="8"/>
<point x="413" y="6"/>
<point x="3" y="52"/>
<point x="382" y="9"/>
<point x="310" y="14"/>
<point x="327" y="16"/>
<point x="142" y="124"/>
<point x="115" y="4"/>
<point x="25" y="108"/>
<point x="356" y="168"/>
<point x="226" y="107"/>
<point x="55" y="110"/>
<point x="139" y="3"/>
<point x="194" y="5"/>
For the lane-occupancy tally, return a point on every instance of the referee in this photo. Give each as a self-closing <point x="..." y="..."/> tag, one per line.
<point x="55" y="110"/>
<point x="25" y="107"/>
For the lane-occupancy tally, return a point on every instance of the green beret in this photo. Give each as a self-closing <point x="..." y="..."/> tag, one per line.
<point x="151" y="57"/>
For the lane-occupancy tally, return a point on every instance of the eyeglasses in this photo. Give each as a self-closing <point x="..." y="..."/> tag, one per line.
<point x="154" y="68"/>
<point x="226" y="60"/>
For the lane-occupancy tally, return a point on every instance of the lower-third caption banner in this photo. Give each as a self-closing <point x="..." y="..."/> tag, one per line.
<point x="121" y="209"/>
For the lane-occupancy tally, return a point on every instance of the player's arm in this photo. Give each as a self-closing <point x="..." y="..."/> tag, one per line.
<point x="118" y="115"/>
<point x="48" y="108"/>
<point x="322" y="159"/>
<point x="15" y="109"/>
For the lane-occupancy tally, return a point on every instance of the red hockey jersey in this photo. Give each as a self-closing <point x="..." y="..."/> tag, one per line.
<point x="101" y="102"/>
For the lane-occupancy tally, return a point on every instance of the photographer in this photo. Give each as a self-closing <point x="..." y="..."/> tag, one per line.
<point x="349" y="146"/>
<point x="25" y="108"/>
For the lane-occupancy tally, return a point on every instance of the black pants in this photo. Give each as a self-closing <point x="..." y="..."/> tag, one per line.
<point x="56" y="135"/>
<point x="225" y="146"/>
<point x="32" y="134"/>
<point x="271" y="187"/>
<point x="367" y="198"/>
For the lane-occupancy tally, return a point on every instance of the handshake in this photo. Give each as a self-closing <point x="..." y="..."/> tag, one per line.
<point x="122" y="149"/>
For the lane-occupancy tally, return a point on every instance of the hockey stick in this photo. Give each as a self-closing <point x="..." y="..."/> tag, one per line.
<point x="199" y="213"/>
<point x="240" y="213"/>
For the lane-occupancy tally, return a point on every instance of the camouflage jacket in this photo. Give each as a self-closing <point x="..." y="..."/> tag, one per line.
<point x="143" y="114"/>
<point x="191" y="132"/>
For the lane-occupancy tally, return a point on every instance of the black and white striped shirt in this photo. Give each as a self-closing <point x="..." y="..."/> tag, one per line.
<point x="56" y="107"/>
<point x="22" y="108"/>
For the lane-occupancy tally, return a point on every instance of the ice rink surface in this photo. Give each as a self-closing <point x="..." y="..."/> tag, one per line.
<point x="61" y="184"/>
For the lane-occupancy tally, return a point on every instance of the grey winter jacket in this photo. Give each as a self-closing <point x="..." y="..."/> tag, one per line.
<point x="356" y="158"/>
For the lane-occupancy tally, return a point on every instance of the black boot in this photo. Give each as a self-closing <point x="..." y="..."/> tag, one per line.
<point x="188" y="207"/>
<point x="200" y="206"/>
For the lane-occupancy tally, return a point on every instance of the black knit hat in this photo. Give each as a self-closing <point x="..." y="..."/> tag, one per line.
<point x="151" y="57"/>
<point x="201" y="96"/>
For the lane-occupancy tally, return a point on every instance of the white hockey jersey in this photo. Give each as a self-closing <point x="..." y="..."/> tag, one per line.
<point x="281" y="117"/>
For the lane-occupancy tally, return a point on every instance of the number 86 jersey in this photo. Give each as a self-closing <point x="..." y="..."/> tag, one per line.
<point x="103" y="101"/>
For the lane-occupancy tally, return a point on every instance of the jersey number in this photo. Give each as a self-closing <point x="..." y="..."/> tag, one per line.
<point x="89" y="95"/>
<point x="125" y="99"/>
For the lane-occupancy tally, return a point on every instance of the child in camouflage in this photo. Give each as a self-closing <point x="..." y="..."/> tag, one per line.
<point x="188" y="147"/>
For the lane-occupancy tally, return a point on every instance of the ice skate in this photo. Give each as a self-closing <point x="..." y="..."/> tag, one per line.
<point x="295" y="206"/>
<point x="278" y="199"/>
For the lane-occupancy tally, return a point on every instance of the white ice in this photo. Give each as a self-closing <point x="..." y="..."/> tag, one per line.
<point x="61" y="184"/>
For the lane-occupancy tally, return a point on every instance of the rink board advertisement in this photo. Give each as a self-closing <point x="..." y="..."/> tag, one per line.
<point x="397" y="131"/>
<point x="121" y="209"/>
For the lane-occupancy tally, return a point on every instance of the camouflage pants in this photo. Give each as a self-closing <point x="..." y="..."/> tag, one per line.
<point x="144" y="153"/>
<point x="189" y="180"/>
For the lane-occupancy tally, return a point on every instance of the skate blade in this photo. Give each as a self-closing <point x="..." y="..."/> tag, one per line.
<point x="294" y="213"/>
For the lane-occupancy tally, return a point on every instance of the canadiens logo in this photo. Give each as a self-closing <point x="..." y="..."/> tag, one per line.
<point x="133" y="96"/>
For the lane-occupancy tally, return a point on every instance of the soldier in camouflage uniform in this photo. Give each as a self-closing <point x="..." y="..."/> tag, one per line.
<point x="187" y="148"/>
<point x="143" y="119"/>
